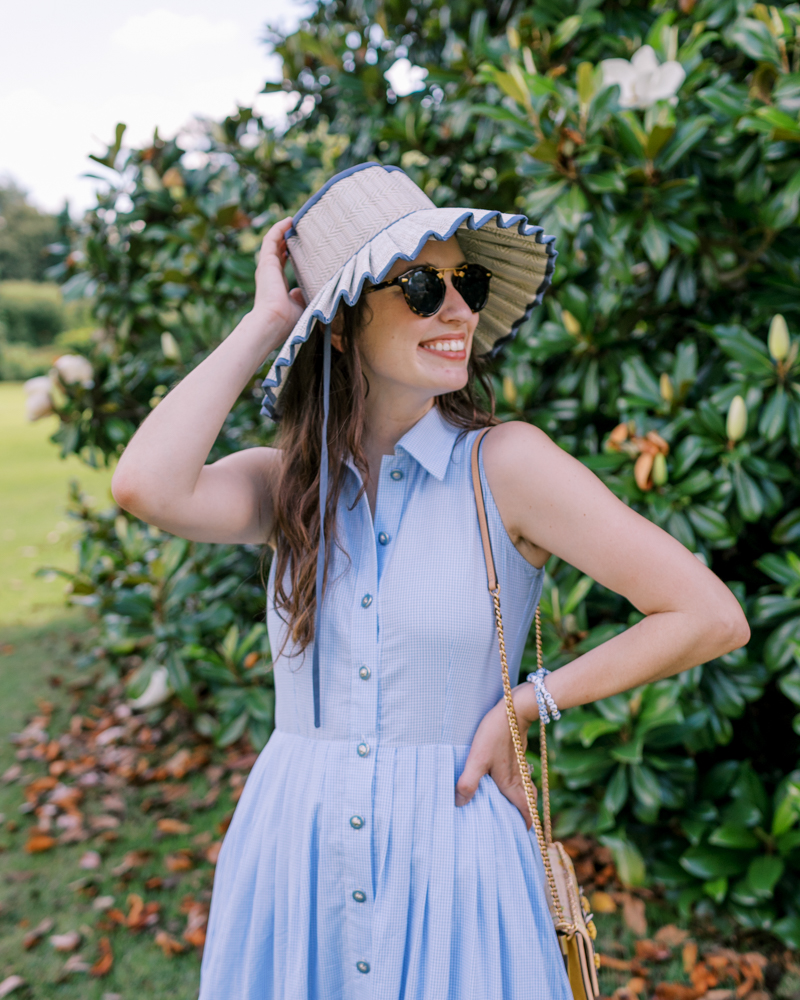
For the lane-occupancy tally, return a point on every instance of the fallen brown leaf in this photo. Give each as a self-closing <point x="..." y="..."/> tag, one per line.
<point x="633" y="914"/>
<point x="90" y="861"/>
<point x="173" y="826"/>
<point x="13" y="773"/>
<point x="169" y="944"/>
<point x="212" y="854"/>
<point x="10" y="984"/>
<point x="181" y="861"/>
<point x="601" y="902"/>
<point x="32" y="938"/>
<point x="651" y="951"/>
<point x="75" y="963"/>
<point x="103" y="965"/>
<point x="670" y="935"/>
<point x="689" y="956"/>
<point x="104" y="822"/>
<point x="141" y="914"/>
<point x="636" y="985"/>
<point x="676" y="991"/>
<point x="66" y="942"/>
<point x="40" y="842"/>
<point x="703" y="978"/>
<point x="620" y="964"/>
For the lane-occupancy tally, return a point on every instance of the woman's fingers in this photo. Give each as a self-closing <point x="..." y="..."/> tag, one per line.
<point x="468" y="782"/>
<point x="297" y="296"/>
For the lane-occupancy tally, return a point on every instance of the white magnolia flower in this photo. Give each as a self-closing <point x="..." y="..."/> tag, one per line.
<point x="642" y="81"/>
<point x="404" y="78"/>
<point x="73" y="368"/>
<point x="38" y="401"/>
<point x="156" y="693"/>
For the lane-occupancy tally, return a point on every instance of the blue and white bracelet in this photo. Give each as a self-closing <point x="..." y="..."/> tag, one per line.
<point x="548" y="709"/>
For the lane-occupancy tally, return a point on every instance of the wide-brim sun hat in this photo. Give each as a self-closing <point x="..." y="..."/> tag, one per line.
<point x="366" y="218"/>
<point x="352" y="231"/>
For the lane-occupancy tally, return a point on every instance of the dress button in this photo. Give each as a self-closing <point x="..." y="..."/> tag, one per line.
<point x="356" y="822"/>
<point x="363" y="749"/>
<point x="396" y="474"/>
<point x="383" y="538"/>
<point x="362" y="966"/>
<point x="366" y="600"/>
<point x="364" y="673"/>
<point x="359" y="896"/>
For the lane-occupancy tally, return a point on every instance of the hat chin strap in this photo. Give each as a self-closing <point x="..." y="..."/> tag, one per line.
<point x="323" y="499"/>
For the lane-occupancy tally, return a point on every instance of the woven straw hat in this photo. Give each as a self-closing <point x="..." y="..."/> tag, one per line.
<point x="368" y="217"/>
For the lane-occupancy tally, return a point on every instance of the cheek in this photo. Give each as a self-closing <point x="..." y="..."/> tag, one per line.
<point x="387" y="342"/>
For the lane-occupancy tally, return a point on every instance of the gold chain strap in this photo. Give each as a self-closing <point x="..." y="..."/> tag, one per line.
<point x="561" y="922"/>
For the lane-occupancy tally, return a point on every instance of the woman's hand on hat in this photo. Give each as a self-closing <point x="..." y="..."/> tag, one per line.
<point x="492" y="752"/>
<point x="276" y="306"/>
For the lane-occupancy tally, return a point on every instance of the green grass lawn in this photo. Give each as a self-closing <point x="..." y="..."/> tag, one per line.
<point x="52" y="884"/>
<point x="34" y="529"/>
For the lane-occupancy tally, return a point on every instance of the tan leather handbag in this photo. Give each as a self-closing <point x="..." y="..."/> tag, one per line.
<point x="569" y="908"/>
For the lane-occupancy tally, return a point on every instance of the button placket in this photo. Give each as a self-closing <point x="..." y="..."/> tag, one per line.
<point x="358" y="768"/>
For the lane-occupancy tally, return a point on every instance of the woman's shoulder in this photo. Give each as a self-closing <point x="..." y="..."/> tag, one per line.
<point x="508" y="443"/>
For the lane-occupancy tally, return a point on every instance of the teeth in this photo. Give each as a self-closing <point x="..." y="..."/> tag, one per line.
<point x="445" y="345"/>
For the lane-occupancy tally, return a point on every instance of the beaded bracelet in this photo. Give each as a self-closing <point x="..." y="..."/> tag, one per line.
<point x="548" y="710"/>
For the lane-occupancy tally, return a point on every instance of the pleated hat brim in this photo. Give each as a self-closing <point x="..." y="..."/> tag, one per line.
<point x="519" y="255"/>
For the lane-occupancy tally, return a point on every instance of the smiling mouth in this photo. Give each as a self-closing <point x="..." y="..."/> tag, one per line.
<point x="449" y="347"/>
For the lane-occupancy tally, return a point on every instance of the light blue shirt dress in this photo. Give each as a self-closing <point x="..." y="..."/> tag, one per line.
<point x="348" y="872"/>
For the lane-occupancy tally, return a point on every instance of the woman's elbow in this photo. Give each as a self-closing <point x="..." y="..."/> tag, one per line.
<point x="734" y="629"/>
<point x="125" y="491"/>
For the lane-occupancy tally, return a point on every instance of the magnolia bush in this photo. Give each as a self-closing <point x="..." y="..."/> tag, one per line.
<point x="659" y="145"/>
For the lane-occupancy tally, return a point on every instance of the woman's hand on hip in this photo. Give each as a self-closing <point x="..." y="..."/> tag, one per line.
<point x="275" y="305"/>
<point x="492" y="752"/>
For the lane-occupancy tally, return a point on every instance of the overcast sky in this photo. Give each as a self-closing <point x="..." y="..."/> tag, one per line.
<point x="70" y="71"/>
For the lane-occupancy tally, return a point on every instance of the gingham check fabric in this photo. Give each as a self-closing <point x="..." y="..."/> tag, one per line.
<point x="348" y="873"/>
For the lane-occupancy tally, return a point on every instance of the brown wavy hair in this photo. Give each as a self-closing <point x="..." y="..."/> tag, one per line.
<point x="300" y="438"/>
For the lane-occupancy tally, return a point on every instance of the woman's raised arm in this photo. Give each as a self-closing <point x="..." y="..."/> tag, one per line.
<point x="162" y="477"/>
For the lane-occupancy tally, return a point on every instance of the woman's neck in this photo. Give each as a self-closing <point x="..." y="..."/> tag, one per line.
<point x="386" y="420"/>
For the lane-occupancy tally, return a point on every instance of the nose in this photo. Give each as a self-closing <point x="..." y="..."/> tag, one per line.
<point x="454" y="308"/>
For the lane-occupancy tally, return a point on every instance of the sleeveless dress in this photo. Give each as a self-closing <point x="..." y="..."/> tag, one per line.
<point x="348" y="872"/>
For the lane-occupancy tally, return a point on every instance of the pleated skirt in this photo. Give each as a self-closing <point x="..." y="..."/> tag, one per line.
<point x="454" y="907"/>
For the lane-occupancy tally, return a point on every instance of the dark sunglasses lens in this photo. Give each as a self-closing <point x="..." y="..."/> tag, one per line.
<point x="424" y="291"/>
<point x="474" y="286"/>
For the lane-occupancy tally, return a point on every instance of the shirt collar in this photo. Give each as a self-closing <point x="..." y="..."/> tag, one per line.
<point x="430" y="441"/>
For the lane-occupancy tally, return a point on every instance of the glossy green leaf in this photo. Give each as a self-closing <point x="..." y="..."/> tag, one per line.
<point x="763" y="874"/>
<point x="706" y="862"/>
<point x="655" y="240"/>
<point x="732" y="835"/>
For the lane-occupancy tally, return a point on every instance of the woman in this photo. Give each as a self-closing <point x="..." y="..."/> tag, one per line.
<point x="381" y="846"/>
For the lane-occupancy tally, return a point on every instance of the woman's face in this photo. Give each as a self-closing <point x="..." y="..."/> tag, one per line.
<point x="427" y="355"/>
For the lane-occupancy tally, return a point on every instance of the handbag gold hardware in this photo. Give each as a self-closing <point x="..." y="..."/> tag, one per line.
<point x="568" y="906"/>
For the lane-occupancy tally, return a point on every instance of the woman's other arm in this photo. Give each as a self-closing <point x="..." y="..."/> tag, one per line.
<point x="548" y="499"/>
<point x="162" y="477"/>
<point x="551" y="503"/>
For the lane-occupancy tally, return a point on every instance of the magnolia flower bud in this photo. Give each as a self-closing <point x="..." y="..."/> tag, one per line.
<point x="642" y="469"/>
<point x="778" y="340"/>
<point x="736" y="424"/>
<point x="38" y="401"/>
<point x="169" y="346"/>
<point x="659" y="469"/>
<point x="509" y="391"/>
<point x="157" y="691"/>
<point x="73" y="369"/>
<point x="665" y="385"/>
<point x="571" y="324"/>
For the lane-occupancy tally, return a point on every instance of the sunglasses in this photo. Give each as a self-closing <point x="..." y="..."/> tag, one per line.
<point x="424" y="286"/>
